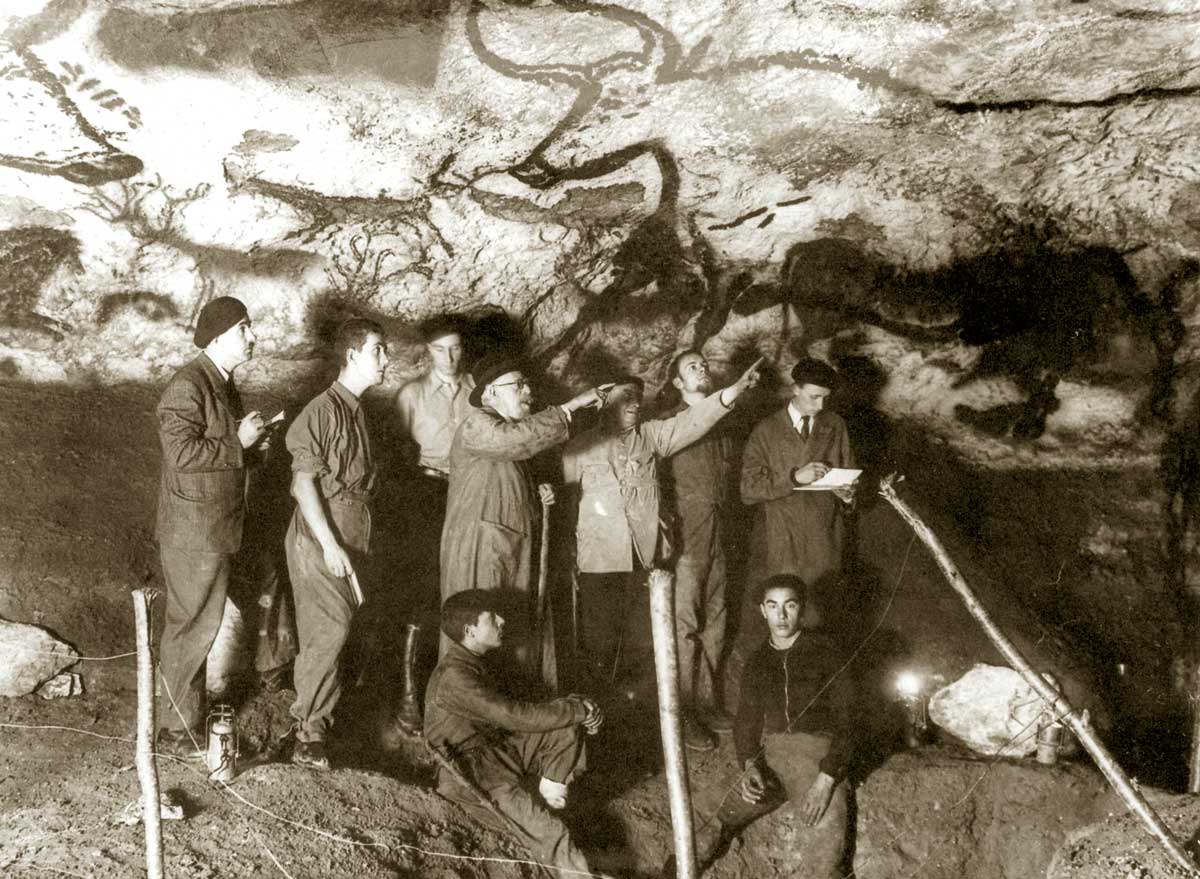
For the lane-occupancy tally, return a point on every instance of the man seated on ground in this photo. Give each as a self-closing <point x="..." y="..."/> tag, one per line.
<point x="495" y="743"/>
<point x="794" y="736"/>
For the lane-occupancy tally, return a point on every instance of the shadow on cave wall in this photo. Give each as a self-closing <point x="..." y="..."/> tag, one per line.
<point x="1038" y="314"/>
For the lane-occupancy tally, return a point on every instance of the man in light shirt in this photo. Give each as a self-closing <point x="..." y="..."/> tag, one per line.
<point x="431" y="408"/>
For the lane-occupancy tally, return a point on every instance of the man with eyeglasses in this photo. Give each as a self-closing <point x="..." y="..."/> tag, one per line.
<point x="491" y="504"/>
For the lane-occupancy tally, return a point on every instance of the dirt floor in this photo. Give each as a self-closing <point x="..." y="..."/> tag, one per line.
<point x="76" y="535"/>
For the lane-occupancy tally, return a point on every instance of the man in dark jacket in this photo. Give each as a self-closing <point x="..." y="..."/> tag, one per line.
<point x="697" y="484"/>
<point x="494" y="742"/>
<point x="794" y="736"/>
<point x="797" y="530"/>
<point x="205" y="441"/>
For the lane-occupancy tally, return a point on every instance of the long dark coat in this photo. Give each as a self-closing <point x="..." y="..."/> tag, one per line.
<point x="795" y="532"/>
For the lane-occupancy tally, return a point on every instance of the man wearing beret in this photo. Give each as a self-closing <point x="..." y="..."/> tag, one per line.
<point x="205" y="444"/>
<point x="799" y="532"/>
<point x="488" y="538"/>
<point x="620" y="535"/>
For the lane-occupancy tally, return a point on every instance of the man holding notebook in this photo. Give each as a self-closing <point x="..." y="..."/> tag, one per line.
<point x="798" y="530"/>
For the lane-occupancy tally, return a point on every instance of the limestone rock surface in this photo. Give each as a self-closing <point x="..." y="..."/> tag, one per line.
<point x="991" y="709"/>
<point x="28" y="656"/>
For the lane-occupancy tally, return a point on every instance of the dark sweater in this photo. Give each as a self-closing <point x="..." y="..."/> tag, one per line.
<point x="801" y="689"/>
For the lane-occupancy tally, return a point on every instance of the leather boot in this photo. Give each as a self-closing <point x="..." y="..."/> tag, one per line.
<point x="408" y="715"/>
<point x="406" y="723"/>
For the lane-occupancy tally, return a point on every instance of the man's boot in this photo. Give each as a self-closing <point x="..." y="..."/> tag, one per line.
<point x="408" y="715"/>
<point x="407" y="721"/>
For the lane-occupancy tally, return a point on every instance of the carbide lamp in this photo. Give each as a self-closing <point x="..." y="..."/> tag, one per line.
<point x="913" y="695"/>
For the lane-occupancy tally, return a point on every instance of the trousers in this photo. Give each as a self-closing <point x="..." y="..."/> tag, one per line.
<point x="500" y="772"/>
<point x="700" y="620"/>
<point x="813" y="852"/>
<point x="197" y="583"/>
<point x="325" y="607"/>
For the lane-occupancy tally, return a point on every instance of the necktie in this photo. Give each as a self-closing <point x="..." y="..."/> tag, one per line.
<point x="804" y="428"/>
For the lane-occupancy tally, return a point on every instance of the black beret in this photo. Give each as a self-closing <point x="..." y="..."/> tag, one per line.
<point x="814" y="372"/>
<point x="487" y="371"/>
<point x="216" y="317"/>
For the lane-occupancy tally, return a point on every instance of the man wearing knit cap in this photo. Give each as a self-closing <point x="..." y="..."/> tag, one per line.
<point x="205" y="444"/>
<point x="488" y="538"/>
<point x="799" y="532"/>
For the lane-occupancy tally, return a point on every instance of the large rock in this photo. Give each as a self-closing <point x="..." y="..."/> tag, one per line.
<point x="29" y="656"/>
<point x="936" y="813"/>
<point x="991" y="709"/>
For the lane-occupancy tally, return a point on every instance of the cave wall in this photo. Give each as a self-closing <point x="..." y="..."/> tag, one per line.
<point x="988" y="214"/>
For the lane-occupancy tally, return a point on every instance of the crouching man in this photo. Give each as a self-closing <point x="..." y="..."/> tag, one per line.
<point x="494" y="743"/>
<point x="794" y="735"/>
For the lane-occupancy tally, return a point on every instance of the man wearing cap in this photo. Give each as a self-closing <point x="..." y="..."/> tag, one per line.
<point x="431" y="408"/>
<point x="491" y="747"/>
<point x="799" y="532"/>
<point x="619" y="535"/>
<point x="333" y="477"/>
<point x="488" y="537"/>
<point x="206" y="444"/>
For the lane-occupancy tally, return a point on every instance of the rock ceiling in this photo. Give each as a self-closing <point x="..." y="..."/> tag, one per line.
<point x="996" y="206"/>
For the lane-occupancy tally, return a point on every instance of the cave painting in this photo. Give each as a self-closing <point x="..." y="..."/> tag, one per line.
<point x="43" y="128"/>
<point x="614" y="103"/>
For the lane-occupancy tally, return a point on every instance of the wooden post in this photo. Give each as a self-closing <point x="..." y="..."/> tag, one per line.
<point x="1058" y="703"/>
<point x="147" y="769"/>
<point x="545" y="656"/>
<point x="666" y="666"/>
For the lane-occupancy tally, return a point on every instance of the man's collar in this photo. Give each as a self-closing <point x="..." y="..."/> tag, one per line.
<point x="340" y="389"/>
<point x="463" y="380"/>
<point x="222" y="373"/>
<point x="795" y="416"/>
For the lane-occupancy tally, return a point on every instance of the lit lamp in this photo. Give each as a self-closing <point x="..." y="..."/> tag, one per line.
<point x="911" y="690"/>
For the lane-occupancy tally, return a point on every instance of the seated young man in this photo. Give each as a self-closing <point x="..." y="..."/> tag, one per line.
<point x="794" y="735"/>
<point x="495" y="743"/>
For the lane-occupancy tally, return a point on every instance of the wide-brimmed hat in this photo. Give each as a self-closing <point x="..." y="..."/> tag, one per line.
<point x="487" y="371"/>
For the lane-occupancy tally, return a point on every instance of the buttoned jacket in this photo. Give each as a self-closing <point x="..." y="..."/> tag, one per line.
<point x="465" y="711"/>
<point x="619" y="519"/>
<point x="201" y="497"/>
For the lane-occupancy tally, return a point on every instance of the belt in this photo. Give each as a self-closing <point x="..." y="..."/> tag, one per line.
<point x="351" y="497"/>
<point x="434" y="474"/>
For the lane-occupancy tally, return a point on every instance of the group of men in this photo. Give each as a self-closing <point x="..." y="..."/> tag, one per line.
<point x="651" y="493"/>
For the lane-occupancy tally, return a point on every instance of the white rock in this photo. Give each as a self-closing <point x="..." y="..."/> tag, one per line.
<point x="62" y="686"/>
<point x="28" y="656"/>
<point x="991" y="709"/>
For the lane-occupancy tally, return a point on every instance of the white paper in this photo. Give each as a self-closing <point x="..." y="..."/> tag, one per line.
<point x="835" y="477"/>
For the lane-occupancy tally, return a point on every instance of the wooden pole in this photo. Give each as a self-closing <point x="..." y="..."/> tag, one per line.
<point x="666" y="666"/>
<point x="546" y="659"/>
<point x="1059" y="704"/>
<point x="147" y="769"/>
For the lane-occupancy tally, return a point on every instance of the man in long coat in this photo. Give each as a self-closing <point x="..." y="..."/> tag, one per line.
<point x="799" y="532"/>
<point x="201" y="509"/>
<point x="620" y="534"/>
<point x="488" y="537"/>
